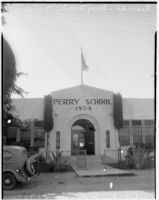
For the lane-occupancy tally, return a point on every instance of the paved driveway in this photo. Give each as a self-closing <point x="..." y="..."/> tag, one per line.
<point x="69" y="186"/>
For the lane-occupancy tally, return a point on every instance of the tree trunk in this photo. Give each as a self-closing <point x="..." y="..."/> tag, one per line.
<point x="47" y="145"/>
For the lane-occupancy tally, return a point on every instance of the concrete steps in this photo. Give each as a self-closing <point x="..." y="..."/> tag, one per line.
<point x="94" y="162"/>
<point x="106" y="159"/>
<point x="95" y="167"/>
<point x="87" y="162"/>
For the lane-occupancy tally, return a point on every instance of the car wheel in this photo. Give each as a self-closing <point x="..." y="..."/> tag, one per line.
<point x="9" y="181"/>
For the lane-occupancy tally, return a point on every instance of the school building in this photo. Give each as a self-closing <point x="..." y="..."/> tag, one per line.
<point x="83" y="120"/>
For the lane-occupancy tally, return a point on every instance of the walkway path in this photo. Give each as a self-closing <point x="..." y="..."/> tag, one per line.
<point x="101" y="170"/>
<point x="95" y="167"/>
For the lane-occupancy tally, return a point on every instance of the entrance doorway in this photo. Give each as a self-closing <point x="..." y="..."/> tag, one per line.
<point x="82" y="132"/>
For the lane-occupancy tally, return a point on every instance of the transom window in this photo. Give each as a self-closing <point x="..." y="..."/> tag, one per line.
<point x="136" y="122"/>
<point x="148" y="122"/>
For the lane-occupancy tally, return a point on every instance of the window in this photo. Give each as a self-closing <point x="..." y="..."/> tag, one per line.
<point x="124" y="136"/>
<point x="39" y="137"/>
<point x="149" y="137"/>
<point x="39" y="123"/>
<point x="25" y="137"/>
<point x="150" y="141"/>
<point x="136" y="122"/>
<point x="137" y="135"/>
<point x="39" y="133"/>
<point x="148" y="131"/>
<point x="57" y="139"/>
<point x="107" y="139"/>
<point x="148" y="122"/>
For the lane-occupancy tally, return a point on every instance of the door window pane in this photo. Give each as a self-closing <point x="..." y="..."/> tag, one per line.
<point x="82" y="140"/>
<point x="75" y="140"/>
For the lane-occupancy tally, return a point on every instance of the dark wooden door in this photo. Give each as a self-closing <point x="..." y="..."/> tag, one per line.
<point x="90" y="142"/>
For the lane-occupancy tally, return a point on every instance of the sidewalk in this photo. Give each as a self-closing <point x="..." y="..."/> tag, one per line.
<point x="102" y="172"/>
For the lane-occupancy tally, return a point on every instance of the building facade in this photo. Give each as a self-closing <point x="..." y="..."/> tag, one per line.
<point x="83" y="120"/>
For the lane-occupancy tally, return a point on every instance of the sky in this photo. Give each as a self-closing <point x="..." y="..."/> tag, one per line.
<point x="117" y="42"/>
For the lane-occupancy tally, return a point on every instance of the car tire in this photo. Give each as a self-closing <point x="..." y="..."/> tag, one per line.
<point x="9" y="181"/>
<point x="30" y="168"/>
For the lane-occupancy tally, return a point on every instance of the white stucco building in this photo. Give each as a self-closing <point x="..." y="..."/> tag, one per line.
<point x="83" y="120"/>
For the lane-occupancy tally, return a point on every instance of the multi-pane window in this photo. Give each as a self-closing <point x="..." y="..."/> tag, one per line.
<point x="148" y="122"/>
<point x="136" y="122"/>
<point x="39" y="137"/>
<point x="107" y="139"/>
<point x="39" y="133"/>
<point x="137" y="135"/>
<point x="25" y="134"/>
<point x="141" y="131"/>
<point x="150" y="141"/>
<point x="148" y="130"/>
<point x="39" y="123"/>
<point x="149" y="136"/>
<point x="57" y="139"/>
<point x="124" y="136"/>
